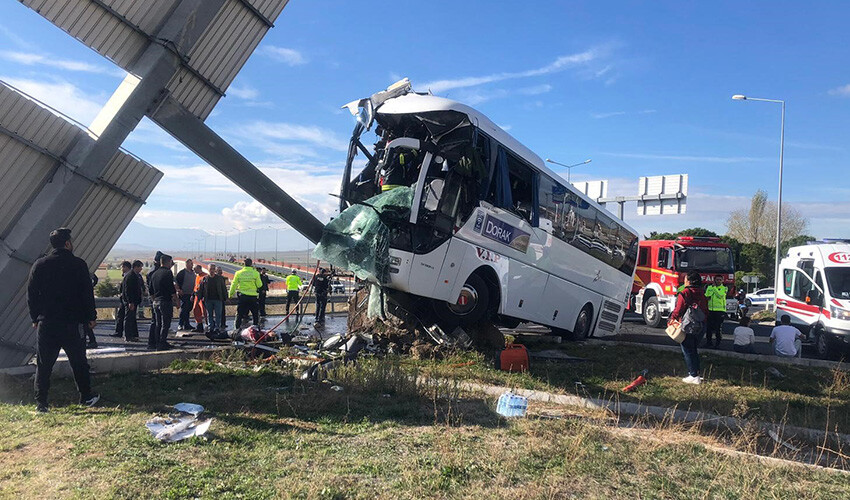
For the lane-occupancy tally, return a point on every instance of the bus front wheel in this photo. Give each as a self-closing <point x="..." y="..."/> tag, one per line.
<point x="471" y="306"/>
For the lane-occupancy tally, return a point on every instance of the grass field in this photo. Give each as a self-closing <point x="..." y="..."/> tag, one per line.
<point x="382" y="436"/>
<point x="808" y="397"/>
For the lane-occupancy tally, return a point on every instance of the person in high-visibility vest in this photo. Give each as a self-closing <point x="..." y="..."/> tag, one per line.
<point x="716" y="295"/>
<point x="293" y="284"/>
<point x="248" y="283"/>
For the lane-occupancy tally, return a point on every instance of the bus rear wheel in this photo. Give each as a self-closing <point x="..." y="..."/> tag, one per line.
<point x="471" y="307"/>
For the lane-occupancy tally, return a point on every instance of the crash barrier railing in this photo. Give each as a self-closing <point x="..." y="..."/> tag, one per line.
<point x="338" y="298"/>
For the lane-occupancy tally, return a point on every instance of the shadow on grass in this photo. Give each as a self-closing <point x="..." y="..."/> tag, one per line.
<point x="269" y="400"/>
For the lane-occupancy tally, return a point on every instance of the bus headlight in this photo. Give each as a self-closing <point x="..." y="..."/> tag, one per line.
<point x="839" y="313"/>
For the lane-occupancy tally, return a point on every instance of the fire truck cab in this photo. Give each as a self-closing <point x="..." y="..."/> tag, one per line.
<point x="662" y="266"/>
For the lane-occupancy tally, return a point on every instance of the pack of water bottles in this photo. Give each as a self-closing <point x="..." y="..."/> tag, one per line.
<point x="511" y="405"/>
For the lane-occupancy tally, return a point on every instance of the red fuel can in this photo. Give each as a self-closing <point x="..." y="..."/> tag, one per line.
<point x="514" y="358"/>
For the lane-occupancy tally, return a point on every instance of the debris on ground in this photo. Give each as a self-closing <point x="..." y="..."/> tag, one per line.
<point x="181" y="425"/>
<point x="774" y="372"/>
<point x="511" y="405"/>
<point x="639" y="381"/>
<point x="785" y="444"/>
<point x="555" y="355"/>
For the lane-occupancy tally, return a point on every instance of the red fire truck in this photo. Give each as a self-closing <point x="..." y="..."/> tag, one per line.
<point x="662" y="266"/>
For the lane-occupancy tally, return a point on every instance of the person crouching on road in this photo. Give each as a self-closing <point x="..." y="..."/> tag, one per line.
<point x="131" y="298"/>
<point x="293" y="284"/>
<point x="787" y="339"/>
<point x="745" y="337"/>
<point x="692" y="298"/>
<point x="60" y="297"/>
<point x="716" y="295"/>
<point x="248" y="283"/>
<point x="163" y="295"/>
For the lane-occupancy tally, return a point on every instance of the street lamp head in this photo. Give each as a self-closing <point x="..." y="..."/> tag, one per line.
<point x="549" y="160"/>
<point x="739" y="97"/>
<point x="585" y="162"/>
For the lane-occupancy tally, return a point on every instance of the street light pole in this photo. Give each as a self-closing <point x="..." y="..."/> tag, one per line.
<point x="739" y="97"/>
<point x="569" y="167"/>
<point x="255" y="243"/>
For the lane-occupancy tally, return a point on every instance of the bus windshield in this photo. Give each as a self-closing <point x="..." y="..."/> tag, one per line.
<point x="838" y="279"/>
<point x="704" y="259"/>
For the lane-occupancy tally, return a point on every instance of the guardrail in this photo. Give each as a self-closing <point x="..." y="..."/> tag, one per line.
<point x="115" y="302"/>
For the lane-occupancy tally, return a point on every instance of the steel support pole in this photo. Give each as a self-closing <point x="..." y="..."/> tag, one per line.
<point x="776" y="278"/>
<point x="204" y="142"/>
<point x="55" y="203"/>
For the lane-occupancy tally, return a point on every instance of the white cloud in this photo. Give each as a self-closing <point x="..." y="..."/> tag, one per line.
<point x="560" y="64"/>
<point x="280" y="138"/>
<point x="244" y="92"/>
<point x="33" y="59"/>
<point x="287" y="56"/>
<point x="535" y="90"/>
<point x="708" y="159"/>
<point x="63" y="96"/>
<point x="600" y="116"/>
<point x="843" y="91"/>
<point x="15" y="38"/>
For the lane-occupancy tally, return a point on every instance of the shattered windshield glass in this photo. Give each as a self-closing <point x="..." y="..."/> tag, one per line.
<point x="358" y="240"/>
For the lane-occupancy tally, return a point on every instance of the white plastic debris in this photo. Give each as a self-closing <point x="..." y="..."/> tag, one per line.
<point x="336" y="388"/>
<point x="171" y="430"/>
<point x="190" y="408"/>
<point x="774" y="436"/>
<point x="181" y="426"/>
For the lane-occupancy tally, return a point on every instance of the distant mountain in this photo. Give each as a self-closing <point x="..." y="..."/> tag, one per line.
<point x="139" y="238"/>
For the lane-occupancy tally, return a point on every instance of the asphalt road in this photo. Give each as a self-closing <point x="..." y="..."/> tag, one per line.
<point x="634" y="329"/>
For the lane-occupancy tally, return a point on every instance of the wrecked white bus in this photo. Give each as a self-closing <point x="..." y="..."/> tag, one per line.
<point x="451" y="209"/>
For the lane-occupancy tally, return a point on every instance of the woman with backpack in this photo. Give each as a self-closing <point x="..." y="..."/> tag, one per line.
<point x="691" y="311"/>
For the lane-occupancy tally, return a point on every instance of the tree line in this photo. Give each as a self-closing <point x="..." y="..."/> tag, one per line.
<point x="751" y="235"/>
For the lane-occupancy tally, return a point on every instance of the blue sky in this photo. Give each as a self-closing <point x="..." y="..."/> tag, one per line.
<point x="642" y="89"/>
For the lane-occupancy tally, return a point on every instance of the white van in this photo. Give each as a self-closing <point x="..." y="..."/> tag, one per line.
<point x="815" y="293"/>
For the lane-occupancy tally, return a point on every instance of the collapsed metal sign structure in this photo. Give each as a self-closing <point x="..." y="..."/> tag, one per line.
<point x="180" y="55"/>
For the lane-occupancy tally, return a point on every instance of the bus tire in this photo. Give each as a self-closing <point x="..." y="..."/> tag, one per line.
<point x="652" y="312"/>
<point x="476" y="296"/>
<point x="582" y="329"/>
<point x="583" y="323"/>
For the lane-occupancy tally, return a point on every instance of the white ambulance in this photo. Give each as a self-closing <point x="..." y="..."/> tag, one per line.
<point x="815" y="292"/>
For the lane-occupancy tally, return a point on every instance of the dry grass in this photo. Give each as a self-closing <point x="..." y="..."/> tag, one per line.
<point x="383" y="436"/>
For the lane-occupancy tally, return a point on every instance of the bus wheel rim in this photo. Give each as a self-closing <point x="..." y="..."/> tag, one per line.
<point x="466" y="302"/>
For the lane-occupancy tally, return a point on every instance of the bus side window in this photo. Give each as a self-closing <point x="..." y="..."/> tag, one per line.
<point x="522" y="182"/>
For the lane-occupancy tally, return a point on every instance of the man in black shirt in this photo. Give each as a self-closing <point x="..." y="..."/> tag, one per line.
<point x="131" y="298"/>
<point x="163" y="295"/>
<point x="60" y="297"/>
<point x="263" y="291"/>
<point x="126" y="267"/>
<point x="320" y="286"/>
<point x="150" y="292"/>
